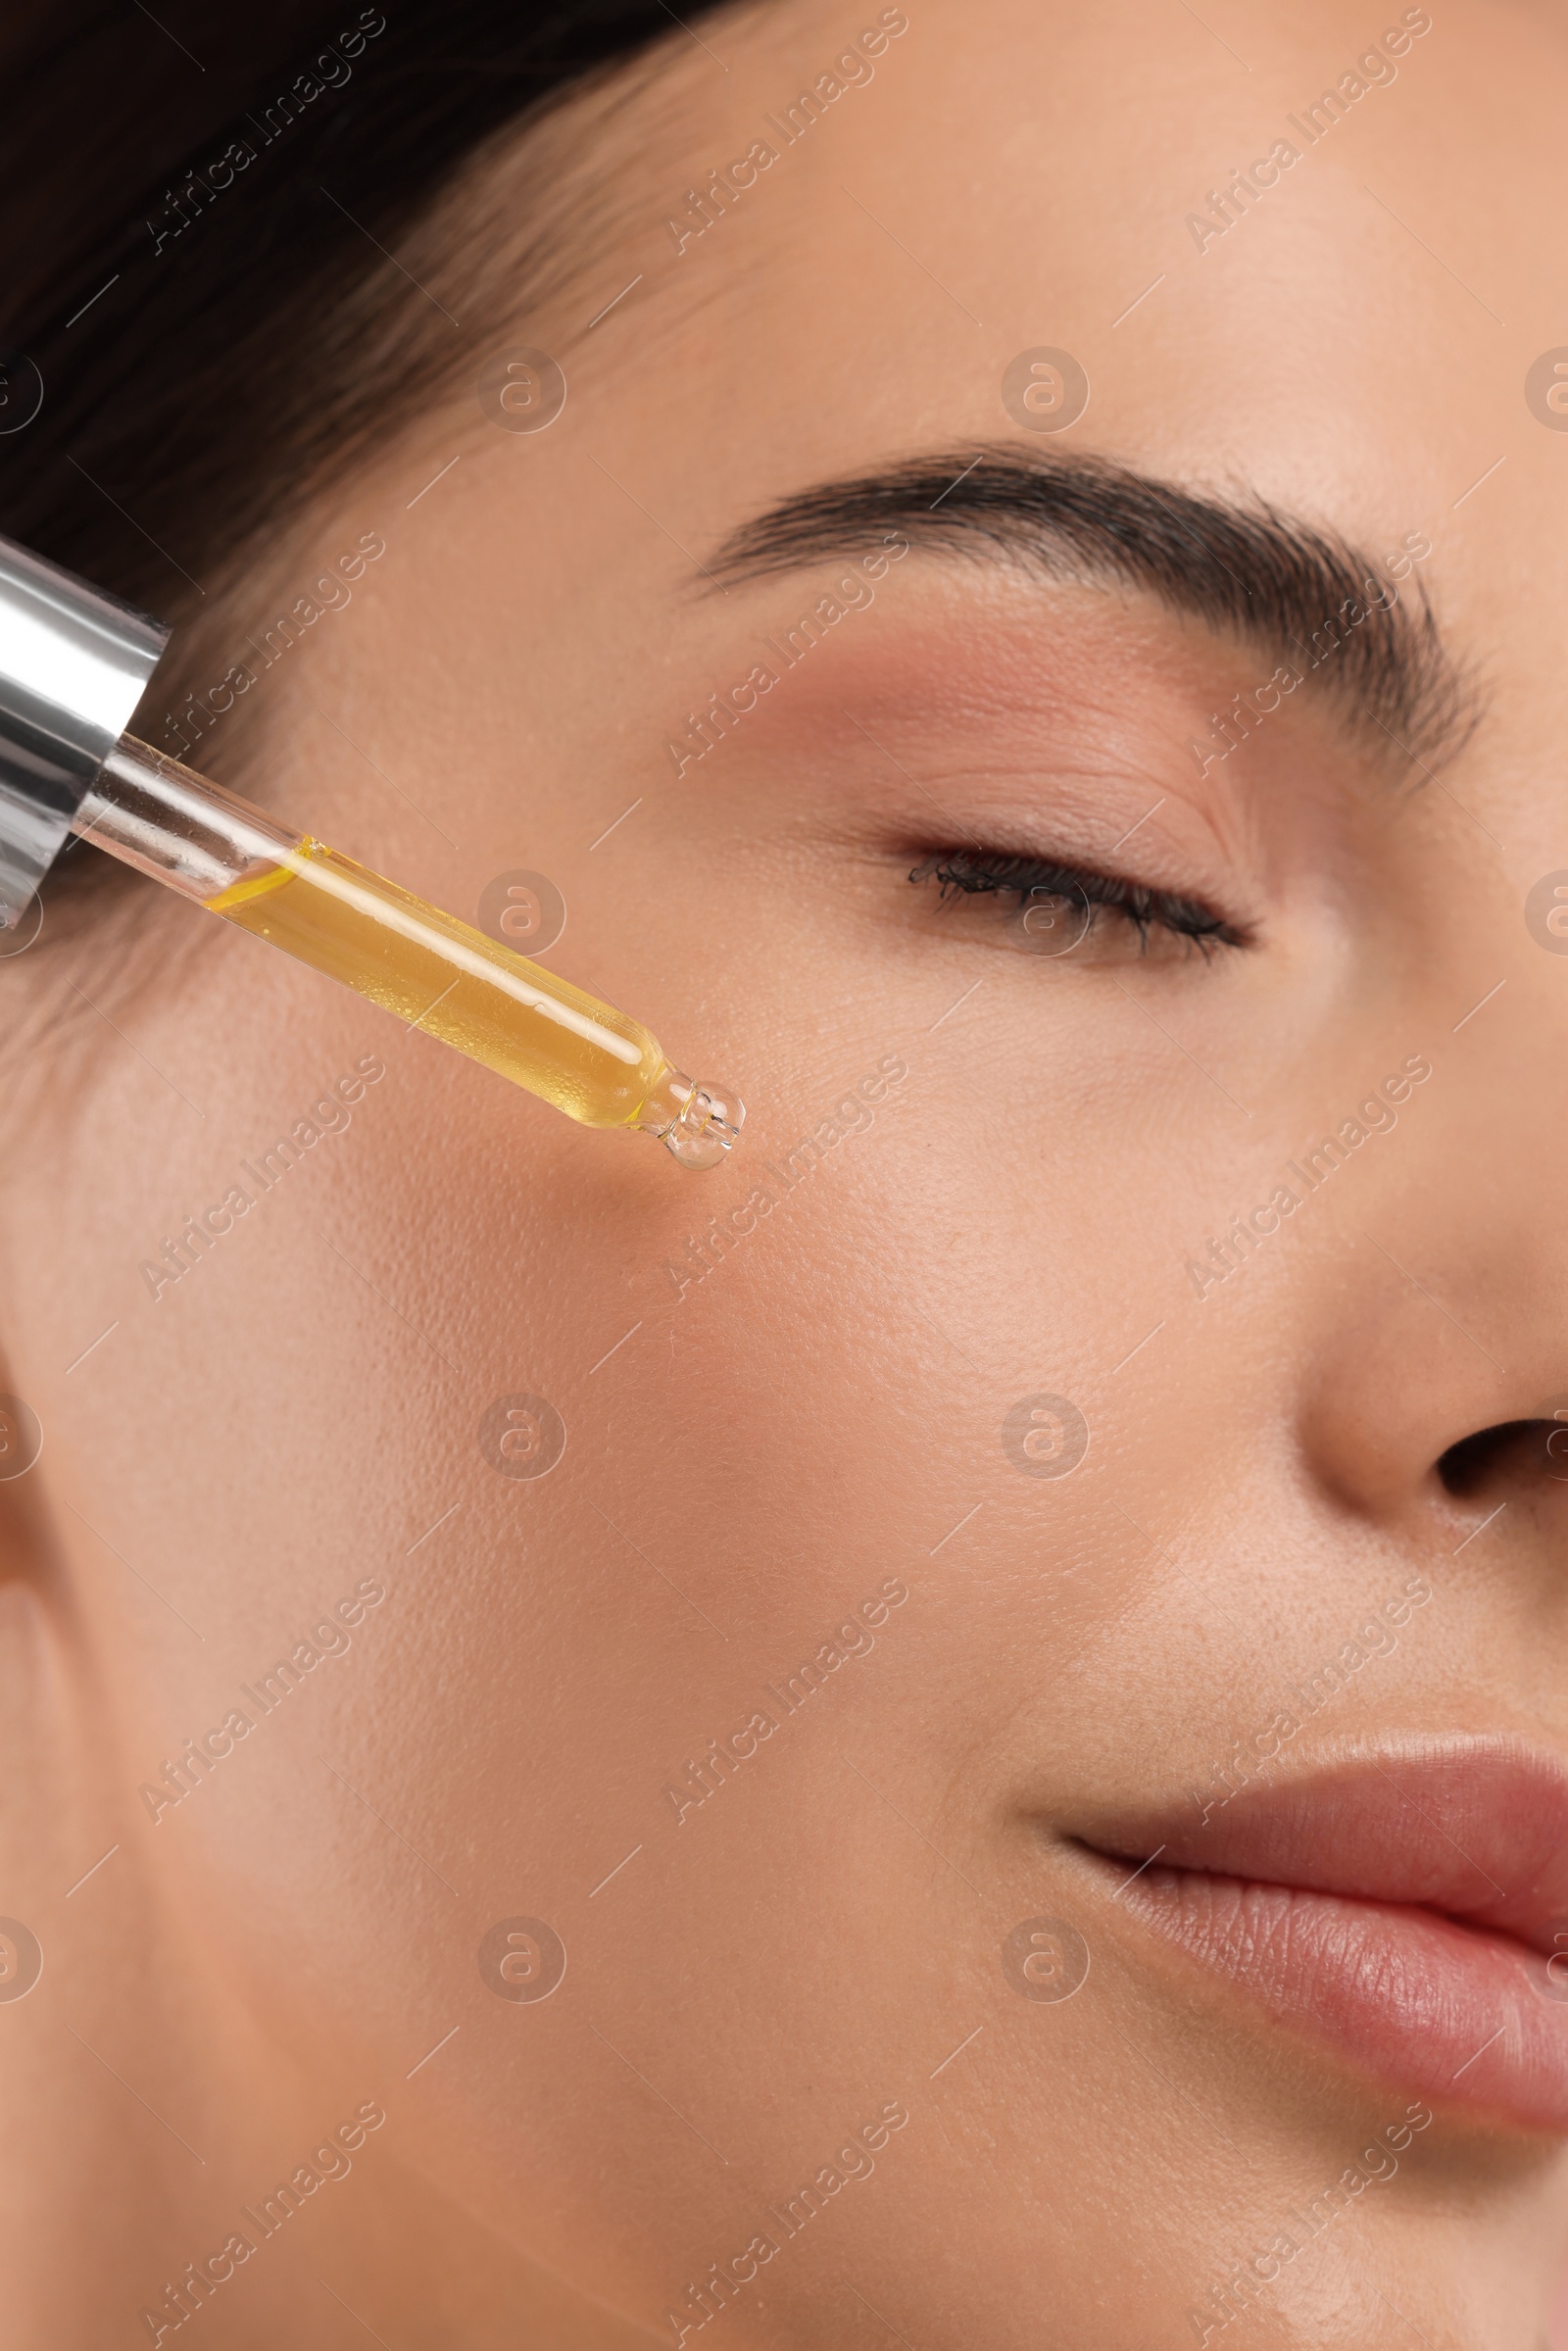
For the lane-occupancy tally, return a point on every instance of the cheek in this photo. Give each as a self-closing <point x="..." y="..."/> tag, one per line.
<point x="744" y="1441"/>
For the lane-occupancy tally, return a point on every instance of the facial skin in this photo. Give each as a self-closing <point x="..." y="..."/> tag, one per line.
<point x="758" y="1450"/>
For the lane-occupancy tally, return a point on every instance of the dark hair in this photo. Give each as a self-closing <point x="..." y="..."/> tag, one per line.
<point x="192" y="305"/>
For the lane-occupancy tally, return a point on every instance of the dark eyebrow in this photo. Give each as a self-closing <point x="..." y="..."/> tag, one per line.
<point x="1243" y="568"/>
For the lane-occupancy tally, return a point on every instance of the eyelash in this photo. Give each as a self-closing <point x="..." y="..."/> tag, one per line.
<point x="962" y="873"/>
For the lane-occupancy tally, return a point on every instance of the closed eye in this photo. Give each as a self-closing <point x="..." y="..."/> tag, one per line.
<point x="1047" y="894"/>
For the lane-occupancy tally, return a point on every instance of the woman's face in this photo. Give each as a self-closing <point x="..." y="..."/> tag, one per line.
<point x="1021" y="1462"/>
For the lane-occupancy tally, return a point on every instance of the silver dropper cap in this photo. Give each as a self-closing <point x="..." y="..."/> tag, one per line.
<point x="74" y="664"/>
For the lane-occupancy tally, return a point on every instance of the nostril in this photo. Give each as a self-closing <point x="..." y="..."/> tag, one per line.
<point x="1519" y="1449"/>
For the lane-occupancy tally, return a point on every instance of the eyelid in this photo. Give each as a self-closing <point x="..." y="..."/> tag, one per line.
<point x="1144" y="904"/>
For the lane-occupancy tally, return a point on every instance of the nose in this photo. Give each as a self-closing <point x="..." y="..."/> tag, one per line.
<point x="1441" y="1300"/>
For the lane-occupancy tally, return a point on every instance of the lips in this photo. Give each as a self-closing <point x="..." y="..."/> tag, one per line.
<point x="1402" y="1904"/>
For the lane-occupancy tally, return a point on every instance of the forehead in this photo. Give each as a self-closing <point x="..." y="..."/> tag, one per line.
<point x="1345" y="328"/>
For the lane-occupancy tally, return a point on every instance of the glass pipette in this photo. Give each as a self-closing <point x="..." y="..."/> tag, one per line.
<point x="74" y="664"/>
<point x="433" y="971"/>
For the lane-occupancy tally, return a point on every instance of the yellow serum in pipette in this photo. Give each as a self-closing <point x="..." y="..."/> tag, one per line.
<point x="437" y="972"/>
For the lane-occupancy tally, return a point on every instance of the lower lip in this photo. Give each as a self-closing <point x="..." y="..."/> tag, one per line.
<point x="1457" y="2014"/>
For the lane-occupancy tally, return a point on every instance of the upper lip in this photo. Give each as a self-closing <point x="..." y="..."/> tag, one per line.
<point x="1473" y="1827"/>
